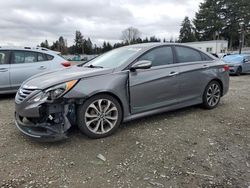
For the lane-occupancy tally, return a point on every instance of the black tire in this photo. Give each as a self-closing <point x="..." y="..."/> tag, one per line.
<point x="239" y="71"/>
<point x="206" y="100"/>
<point x="82" y="118"/>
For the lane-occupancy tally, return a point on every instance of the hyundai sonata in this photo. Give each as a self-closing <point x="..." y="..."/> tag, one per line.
<point x="120" y="85"/>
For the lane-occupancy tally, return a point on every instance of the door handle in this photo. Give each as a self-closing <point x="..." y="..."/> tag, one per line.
<point x="173" y="73"/>
<point x="205" y="66"/>
<point x="3" y="69"/>
<point x="42" y="67"/>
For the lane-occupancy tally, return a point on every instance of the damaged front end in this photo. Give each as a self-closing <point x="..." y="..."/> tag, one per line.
<point x="45" y="115"/>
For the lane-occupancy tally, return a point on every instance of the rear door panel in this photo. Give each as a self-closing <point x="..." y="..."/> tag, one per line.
<point x="193" y="78"/>
<point x="194" y="72"/>
<point x="19" y="72"/>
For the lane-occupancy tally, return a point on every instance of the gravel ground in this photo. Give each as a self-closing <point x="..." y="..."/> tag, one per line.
<point x="191" y="147"/>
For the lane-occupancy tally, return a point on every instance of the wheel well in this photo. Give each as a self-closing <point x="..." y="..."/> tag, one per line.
<point x="220" y="82"/>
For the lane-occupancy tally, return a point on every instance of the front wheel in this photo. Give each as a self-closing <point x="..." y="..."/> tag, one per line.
<point x="99" y="116"/>
<point x="212" y="95"/>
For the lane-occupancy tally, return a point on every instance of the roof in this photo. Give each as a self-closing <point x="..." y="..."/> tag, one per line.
<point x="154" y="44"/>
<point x="28" y="48"/>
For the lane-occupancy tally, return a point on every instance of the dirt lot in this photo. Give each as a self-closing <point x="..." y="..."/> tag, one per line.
<point x="191" y="147"/>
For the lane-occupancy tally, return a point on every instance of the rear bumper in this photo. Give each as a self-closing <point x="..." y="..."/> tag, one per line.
<point x="233" y="69"/>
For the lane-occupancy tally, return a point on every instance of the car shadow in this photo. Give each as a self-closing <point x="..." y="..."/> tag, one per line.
<point x="242" y="74"/>
<point x="161" y="116"/>
<point x="7" y="96"/>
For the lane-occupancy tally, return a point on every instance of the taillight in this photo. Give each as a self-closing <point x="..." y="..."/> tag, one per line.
<point x="226" y="68"/>
<point x="66" y="64"/>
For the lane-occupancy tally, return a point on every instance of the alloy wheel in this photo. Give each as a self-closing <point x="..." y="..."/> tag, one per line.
<point x="213" y="94"/>
<point x="101" y="116"/>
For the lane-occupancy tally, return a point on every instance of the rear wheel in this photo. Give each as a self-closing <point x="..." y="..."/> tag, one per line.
<point x="99" y="116"/>
<point x="212" y="95"/>
<point x="239" y="71"/>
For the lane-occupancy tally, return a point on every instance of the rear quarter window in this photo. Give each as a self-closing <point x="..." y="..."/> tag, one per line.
<point x="49" y="57"/>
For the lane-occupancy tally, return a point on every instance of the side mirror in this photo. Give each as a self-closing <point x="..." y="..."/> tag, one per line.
<point x="143" y="64"/>
<point x="245" y="60"/>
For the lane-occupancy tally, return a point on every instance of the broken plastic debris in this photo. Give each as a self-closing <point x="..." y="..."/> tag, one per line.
<point x="101" y="157"/>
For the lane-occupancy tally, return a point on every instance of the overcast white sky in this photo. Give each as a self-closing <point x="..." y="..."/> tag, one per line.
<point x="29" y="22"/>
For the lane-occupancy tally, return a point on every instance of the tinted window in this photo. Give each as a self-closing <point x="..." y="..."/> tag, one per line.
<point x="185" y="54"/>
<point x="24" y="57"/>
<point x="3" y="57"/>
<point x="41" y="57"/>
<point x="159" y="56"/>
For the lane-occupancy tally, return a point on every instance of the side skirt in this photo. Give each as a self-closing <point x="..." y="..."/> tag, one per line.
<point x="163" y="109"/>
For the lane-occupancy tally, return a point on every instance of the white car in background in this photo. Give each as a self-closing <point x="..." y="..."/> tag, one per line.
<point x="20" y="63"/>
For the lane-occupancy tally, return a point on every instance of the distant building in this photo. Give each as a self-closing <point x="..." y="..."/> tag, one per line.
<point x="212" y="46"/>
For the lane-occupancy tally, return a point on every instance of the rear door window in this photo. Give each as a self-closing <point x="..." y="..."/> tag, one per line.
<point x="185" y="54"/>
<point x="41" y="57"/>
<point x="24" y="57"/>
<point x="30" y="57"/>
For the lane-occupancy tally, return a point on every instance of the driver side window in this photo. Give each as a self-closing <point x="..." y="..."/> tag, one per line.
<point x="159" y="56"/>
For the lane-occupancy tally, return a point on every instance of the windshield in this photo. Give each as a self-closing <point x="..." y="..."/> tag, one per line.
<point x="114" y="58"/>
<point x="233" y="58"/>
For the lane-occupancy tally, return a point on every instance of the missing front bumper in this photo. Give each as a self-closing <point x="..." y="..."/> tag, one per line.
<point x="52" y="125"/>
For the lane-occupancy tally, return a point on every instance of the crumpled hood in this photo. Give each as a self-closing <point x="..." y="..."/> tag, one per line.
<point x="57" y="76"/>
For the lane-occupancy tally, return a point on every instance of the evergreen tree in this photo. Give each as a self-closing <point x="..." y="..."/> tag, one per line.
<point x="88" y="46"/>
<point x="79" y="42"/>
<point x="208" y="20"/>
<point x="154" y="39"/>
<point x="220" y="19"/>
<point x="62" y="47"/>
<point x="186" y="31"/>
<point x="45" y="44"/>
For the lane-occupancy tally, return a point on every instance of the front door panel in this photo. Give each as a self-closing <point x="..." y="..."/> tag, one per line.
<point x="153" y="88"/>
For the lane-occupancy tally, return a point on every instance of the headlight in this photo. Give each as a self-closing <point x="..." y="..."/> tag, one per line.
<point x="54" y="92"/>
